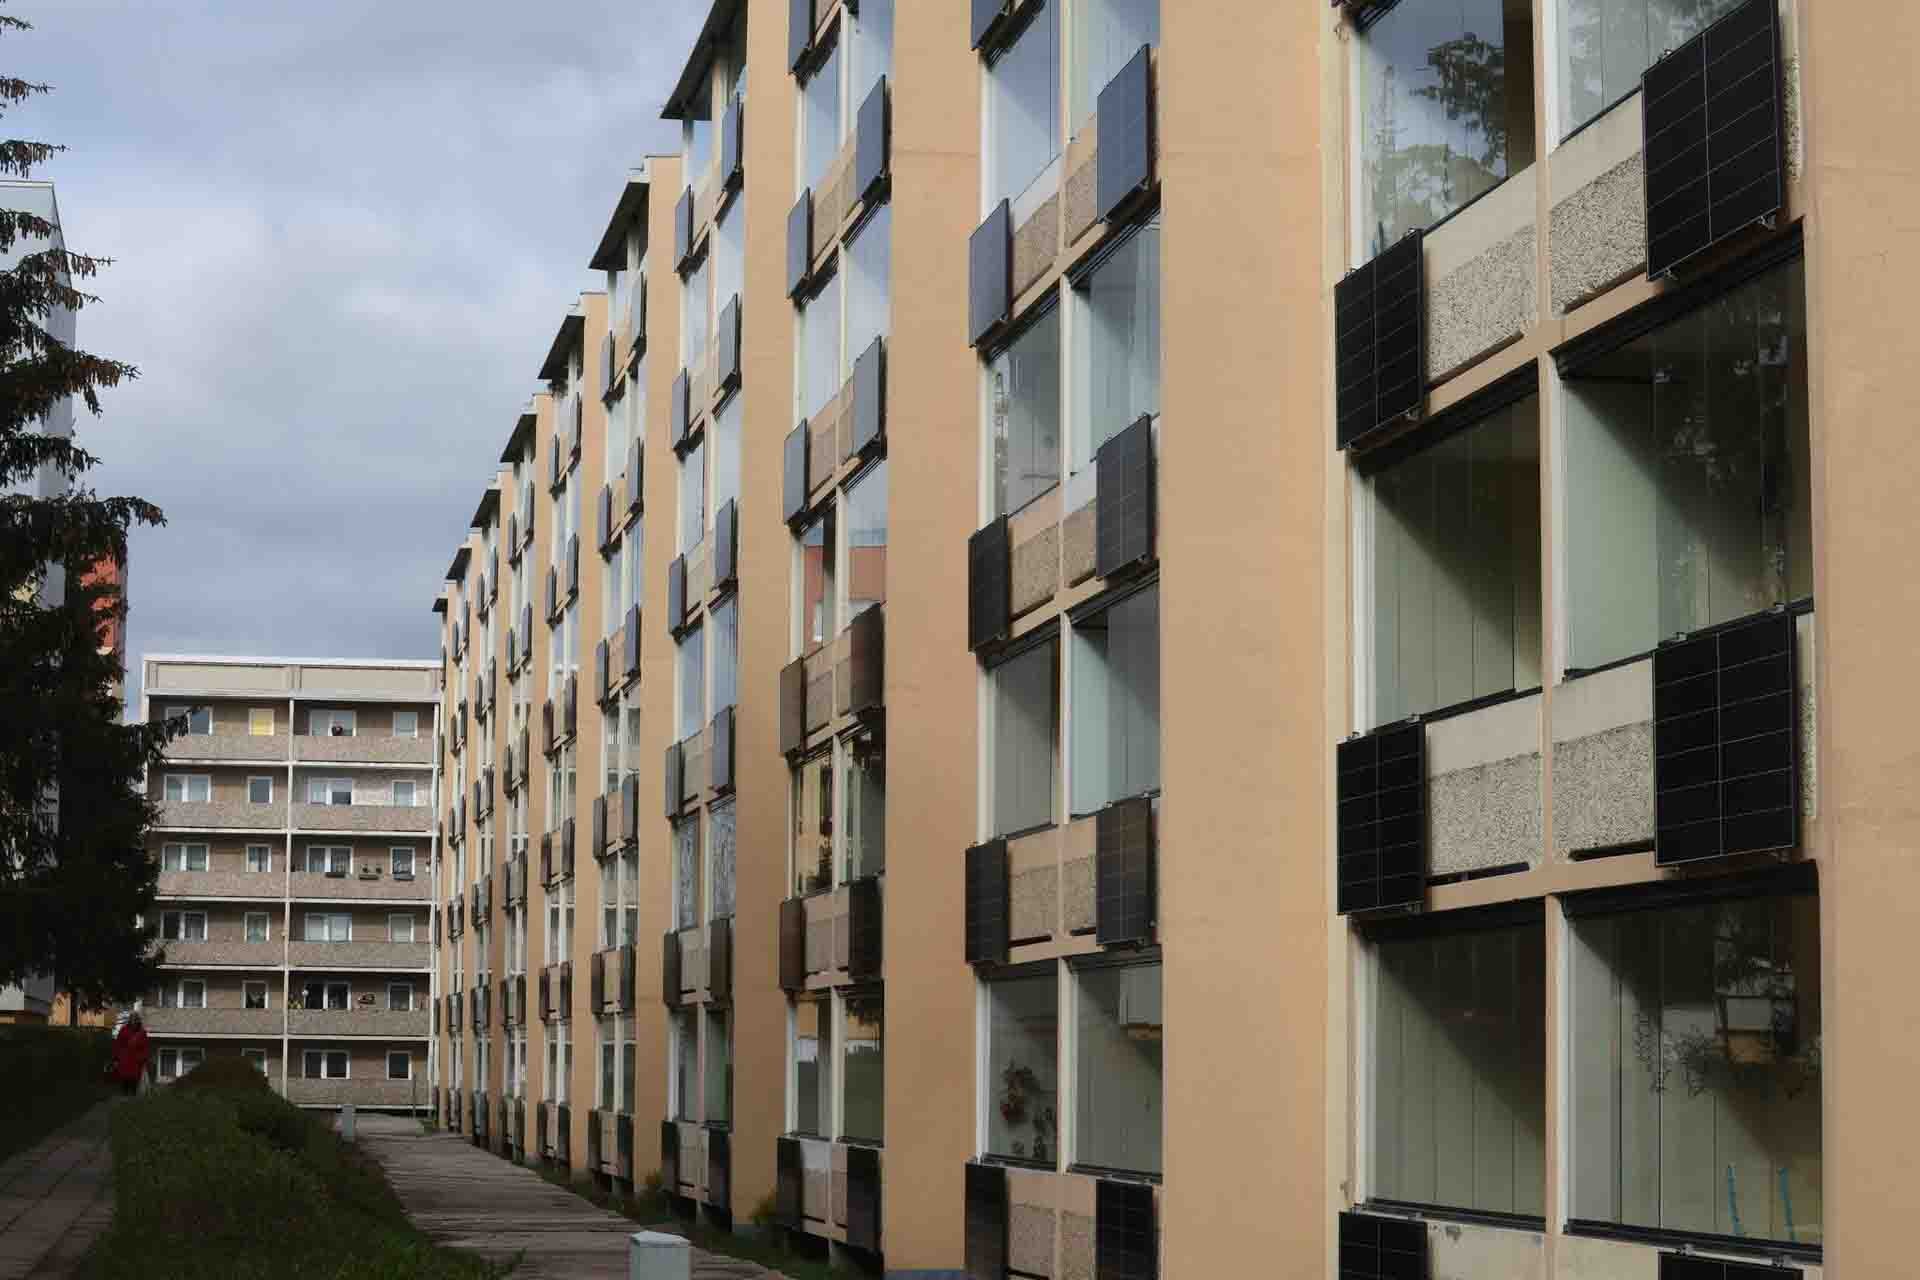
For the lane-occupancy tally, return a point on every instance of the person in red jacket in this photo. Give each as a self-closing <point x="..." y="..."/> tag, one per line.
<point x="130" y="1055"/>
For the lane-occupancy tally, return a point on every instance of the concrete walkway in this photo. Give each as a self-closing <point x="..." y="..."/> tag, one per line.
<point x="55" y="1199"/>
<point x="471" y="1199"/>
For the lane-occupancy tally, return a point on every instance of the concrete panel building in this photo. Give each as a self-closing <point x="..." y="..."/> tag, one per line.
<point x="1252" y="622"/>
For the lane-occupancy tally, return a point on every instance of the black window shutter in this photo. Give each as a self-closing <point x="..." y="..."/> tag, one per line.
<point x="676" y="593"/>
<point x="986" y="17"/>
<point x="606" y="516"/>
<point x="870" y="141"/>
<point x="1125" y="157"/>
<point x="989" y="585"/>
<point x="599" y="843"/>
<point x="553" y="592"/>
<point x="671" y="781"/>
<point x="731" y="133"/>
<point x="863" y="1197"/>
<point x="730" y="343"/>
<point x="869" y="396"/>
<point x="986" y="1247"/>
<point x="988" y="918"/>
<point x="1382" y="852"/>
<point x="1375" y="1248"/>
<point x="866" y="661"/>
<point x="799" y="242"/>
<point x="636" y="475"/>
<point x="680" y="410"/>
<point x="630" y="808"/>
<point x="683" y="229"/>
<point x="793" y="474"/>
<point x="1726" y="776"/>
<point x="600" y="686"/>
<point x="720" y="751"/>
<point x="670" y="969"/>
<point x="1380" y="342"/>
<point x="1123" y="870"/>
<point x="720" y="958"/>
<point x="799" y="32"/>
<point x="629" y="970"/>
<point x="1714" y="142"/>
<point x="1124" y="500"/>
<point x="793" y="944"/>
<point x="573" y="563"/>
<point x="787" y="1167"/>
<point x="637" y="318"/>
<point x="726" y="534"/>
<point x="719" y="1168"/>
<point x="1125" y="1245"/>
<point x="990" y="274"/>
<point x="793" y="706"/>
<point x="597" y="979"/>
<point x="632" y="641"/>
<point x="865" y="933"/>
<point x="606" y="365"/>
<point x="1683" y="1266"/>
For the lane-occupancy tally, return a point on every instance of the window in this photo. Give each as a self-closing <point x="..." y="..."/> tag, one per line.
<point x="866" y="806"/>
<point x="400" y="860"/>
<point x="872" y="45"/>
<point x="1454" y="539"/>
<point x="399" y="1065"/>
<point x="330" y="791"/>
<point x="1687" y="459"/>
<point x="326" y="1064"/>
<point x="1026" y="734"/>
<point x="1606" y="44"/>
<point x="869" y="263"/>
<point x="863" y="1069"/>
<point x="400" y="997"/>
<point x="253" y="995"/>
<point x="192" y="994"/>
<point x="813" y="825"/>
<point x="719" y="1068"/>
<point x="1459" y="1068"/>
<point x="820" y="118"/>
<point x="720" y="859"/>
<point x="405" y="793"/>
<point x="817" y="582"/>
<point x="692" y="652"/>
<point x="697" y="131"/>
<point x="686" y="1063"/>
<point x="726" y="453"/>
<point x="406" y="724"/>
<point x="813" y="1066"/>
<point x="1440" y="120"/>
<point x="686" y="872"/>
<point x="696" y="315"/>
<point x="693" y="499"/>
<point x="183" y="857"/>
<point x="260" y="725"/>
<point x="260" y="790"/>
<point x="171" y="1064"/>
<point x="1023" y="406"/>
<point x="1023" y="1067"/>
<point x="400" y="927"/>
<point x="1023" y="107"/>
<point x="325" y="859"/>
<point x="1116" y="702"/>
<point x="257" y="1058"/>
<point x="726" y="655"/>
<point x="322" y="723"/>
<point x="189" y="788"/>
<point x="183" y="926"/>
<point x="325" y="995"/>
<point x="256" y="926"/>
<point x="329" y="927"/>
<point x="1116" y="355"/>
<point x="259" y="858"/>
<point x="866" y="508"/>
<point x="199" y="719"/>
<point x="1117" y="1067"/>
<point x="1106" y="33"/>
<point x="729" y="259"/>
<point x="820" y="378"/>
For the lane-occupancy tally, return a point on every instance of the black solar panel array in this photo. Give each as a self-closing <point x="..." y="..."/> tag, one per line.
<point x="989" y="585"/>
<point x="720" y="751"/>
<point x="1126" y="1246"/>
<point x="870" y="141"/>
<point x="986" y="1244"/>
<point x="1382" y="855"/>
<point x="1380" y="343"/>
<point x="720" y="959"/>
<point x="990" y="273"/>
<point x="719" y="1168"/>
<point x="676" y="593"/>
<point x="865" y="935"/>
<point x="683" y="229"/>
<point x="672" y="780"/>
<point x="726" y="543"/>
<point x="1123" y="872"/>
<point x="669" y="1153"/>
<point x="1715" y="145"/>
<point x="863" y="1197"/>
<point x="1375" y="1248"/>
<point x="669" y="969"/>
<point x="793" y="944"/>
<point x="866" y="661"/>
<point x="680" y="411"/>
<point x="793" y="706"/>
<point x="1124" y="159"/>
<point x="869" y="396"/>
<point x="1124" y="500"/>
<point x="989" y="920"/>
<point x="787" y="1172"/>
<point x="793" y="474"/>
<point x="730" y="343"/>
<point x="1685" y="1266"/>
<point x="732" y="129"/>
<point x="799" y="243"/>
<point x="1726" y="776"/>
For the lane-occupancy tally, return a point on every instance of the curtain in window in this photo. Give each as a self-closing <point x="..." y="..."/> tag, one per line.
<point x="1026" y="710"/>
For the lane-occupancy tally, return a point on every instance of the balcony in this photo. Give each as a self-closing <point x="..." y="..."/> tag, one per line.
<point x="257" y="955"/>
<point x="361" y="1093"/>
<point x="209" y="814"/>
<point x="363" y="749"/>
<point x="177" y="1022"/>
<point x="382" y="888"/>
<point x="356" y="955"/>
<point x="358" y="817"/>
<point x="264" y="887"/>
<point x="228" y="746"/>
<point x="330" y="1023"/>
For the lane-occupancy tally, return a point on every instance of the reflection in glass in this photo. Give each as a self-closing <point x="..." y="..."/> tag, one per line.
<point x="686" y="1063"/>
<point x="866" y="807"/>
<point x="813" y="1066"/>
<point x="820" y="348"/>
<point x="866" y="510"/>
<point x="1024" y="409"/>
<point x="686" y="872"/>
<point x="1118" y="1076"/>
<point x="813" y="825"/>
<point x="1116" y="702"/>
<point x="1026" y="732"/>
<point x="726" y="654"/>
<point x="868" y="272"/>
<point x="1023" y="1068"/>
<point x="1106" y="33"/>
<point x="696" y="315"/>
<point x="863" y="1103"/>
<point x="1441" y="119"/>
<point x="820" y="120"/>
<point x="1023" y="106"/>
<point x="721" y="855"/>
<point x="1696" y="1069"/>
<point x="692" y="651"/>
<point x="1117" y="348"/>
<point x="697" y="131"/>
<point x="693" y="497"/>
<point x="726" y="453"/>
<point x="817" y="551"/>
<point x="1606" y="44"/>
<point x="872" y="48"/>
<point x="719" y="1068"/>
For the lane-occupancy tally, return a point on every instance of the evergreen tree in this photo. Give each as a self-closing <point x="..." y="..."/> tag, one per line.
<point x="75" y="876"/>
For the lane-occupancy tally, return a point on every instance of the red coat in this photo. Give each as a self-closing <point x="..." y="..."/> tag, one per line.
<point x="130" y="1053"/>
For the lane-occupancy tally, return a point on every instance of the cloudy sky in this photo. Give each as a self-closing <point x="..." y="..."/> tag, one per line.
<point x="344" y="234"/>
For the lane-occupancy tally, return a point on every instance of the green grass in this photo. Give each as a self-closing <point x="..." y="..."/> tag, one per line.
<point x="62" y="1069"/>
<point x="220" y="1176"/>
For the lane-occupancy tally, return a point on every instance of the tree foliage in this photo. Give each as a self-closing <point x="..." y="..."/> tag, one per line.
<point x="75" y="874"/>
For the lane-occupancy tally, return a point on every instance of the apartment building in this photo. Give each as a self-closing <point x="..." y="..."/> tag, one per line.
<point x="296" y="849"/>
<point x="1328" y="516"/>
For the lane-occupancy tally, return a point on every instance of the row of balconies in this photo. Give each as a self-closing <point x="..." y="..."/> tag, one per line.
<point x="216" y="815"/>
<point x="303" y="748"/>
<point x="359" y="1093"/>
<point x="297" y="885"/>
<point x="315" y="1023"/>
<point x="299" y="955"/>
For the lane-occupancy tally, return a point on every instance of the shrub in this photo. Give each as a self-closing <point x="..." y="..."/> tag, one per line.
<point x="63" y="1069"/>
<point x="225" y="1071"/>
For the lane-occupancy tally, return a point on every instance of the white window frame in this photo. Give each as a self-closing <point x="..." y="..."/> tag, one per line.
<point x="413" y="724"/>
<point x="328" y="917"/>
<point x="413" y="792"/>
<point x="266" y="926"/>
<point x="183" y="917"/>
<point x="323" y="1055"/>
<point x="180" y="993"/>
<point x="254" y="715"/>
<point x="405" y="1056"/>
<point x="177" y="709"/>
<point x="186" y="781"/>
<point x="266" y="861"/>
<point x="259" y="777"/>
<point x="398" y="917"/>
<point x="177" y="857"/>
<point x="340" y="853"/>
<point x="333" y="718"/>
<point x="327" y="786"/>
<point x="258" y="1057"/>
<point x="266" y="993"/>
<point x="183" y="1057"/>
<point x="400" y="986"/>
<point x="395" y="853"/>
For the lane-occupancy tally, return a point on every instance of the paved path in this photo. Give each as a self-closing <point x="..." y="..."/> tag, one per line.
<point x="55" y="1198"/>
<point x="472" y="1199"/>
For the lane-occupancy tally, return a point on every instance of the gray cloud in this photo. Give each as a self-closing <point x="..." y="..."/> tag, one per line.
<point x="343" y="237"/>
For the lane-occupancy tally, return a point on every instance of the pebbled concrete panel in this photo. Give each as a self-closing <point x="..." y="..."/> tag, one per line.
<point x="1030" y="1239"/>
<point x="1077" y="544"/>
<point x="1603" y="788"/>
<point x="1076" y="894"/>
<point x="1488" y="815"/>
<point x="1598" y="234"/>
<point x="1036" y="569"/>
<point x="1035" y="243"/>
<point x="1482" y="305"/>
